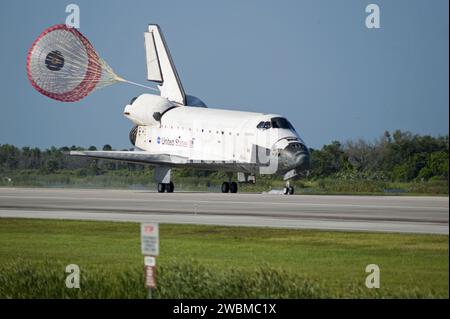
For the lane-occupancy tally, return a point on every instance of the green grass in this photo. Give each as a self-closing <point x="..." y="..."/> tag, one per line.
<point x="372" y="187"/>
<point x="144" y="179"/>
<point x="213" y="261"/>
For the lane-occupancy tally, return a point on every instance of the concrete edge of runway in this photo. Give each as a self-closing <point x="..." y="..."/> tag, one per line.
<point x="318" y="225"/>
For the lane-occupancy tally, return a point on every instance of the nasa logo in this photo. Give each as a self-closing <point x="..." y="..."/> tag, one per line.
<point x="158" y="140"/>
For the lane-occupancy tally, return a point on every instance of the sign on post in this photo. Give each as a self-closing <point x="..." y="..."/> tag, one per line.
<point x="149" y="261"/>
<point x="150" y="239"/>
<point x="150" y="277"/>
<point x="150" y="249"/>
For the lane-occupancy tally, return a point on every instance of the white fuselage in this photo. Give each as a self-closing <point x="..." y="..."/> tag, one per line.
<point x="209" y="134"/>
<point x="203" y="134"/>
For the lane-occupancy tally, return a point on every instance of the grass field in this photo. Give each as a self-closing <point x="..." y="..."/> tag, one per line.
<point x="217" y="262"/>
<point x="144" y="179"/>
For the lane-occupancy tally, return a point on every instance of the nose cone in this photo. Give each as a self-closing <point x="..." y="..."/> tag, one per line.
<point x="295" y="156"/>
<point x="302" y="162"/>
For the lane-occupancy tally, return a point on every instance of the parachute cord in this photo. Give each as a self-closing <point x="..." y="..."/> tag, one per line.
<point x="137" y="84"/>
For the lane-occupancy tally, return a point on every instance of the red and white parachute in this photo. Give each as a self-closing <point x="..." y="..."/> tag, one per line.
<point x="63" y="65"/>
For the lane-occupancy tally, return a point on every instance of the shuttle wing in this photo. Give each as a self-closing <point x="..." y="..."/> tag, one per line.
<point x="142" y="157"/>
<point x="134" y="157"/>
<point x="160" y="66"/>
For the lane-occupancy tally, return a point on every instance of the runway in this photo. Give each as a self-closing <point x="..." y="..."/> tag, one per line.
<point x="402" y="214"/>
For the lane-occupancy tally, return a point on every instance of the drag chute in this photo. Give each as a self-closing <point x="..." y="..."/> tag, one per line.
<point x="63" y="65"/>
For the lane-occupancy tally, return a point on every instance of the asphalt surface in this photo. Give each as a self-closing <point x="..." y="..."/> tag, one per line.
<point x="347" y="213"/>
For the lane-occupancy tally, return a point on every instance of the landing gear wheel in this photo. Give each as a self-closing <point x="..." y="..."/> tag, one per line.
<point x="286" y="190"/>
<point x="233" y="187"/>
<point x="170" y="187"/>
<point x="161" y="187"/>
<point x="291" y="190"/>
<point x="225" y="187"/>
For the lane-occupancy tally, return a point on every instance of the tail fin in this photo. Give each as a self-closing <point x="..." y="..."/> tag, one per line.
<point x="160" y="67"/>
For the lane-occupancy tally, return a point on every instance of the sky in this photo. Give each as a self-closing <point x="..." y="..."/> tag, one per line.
<point x="314" y="62"/>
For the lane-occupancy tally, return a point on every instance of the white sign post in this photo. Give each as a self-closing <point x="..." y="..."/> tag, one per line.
<point x="150" y="239"/>
<point x="150" y="249"/>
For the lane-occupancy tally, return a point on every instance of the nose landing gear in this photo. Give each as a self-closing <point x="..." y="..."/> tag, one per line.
<point x="288" y="189"/>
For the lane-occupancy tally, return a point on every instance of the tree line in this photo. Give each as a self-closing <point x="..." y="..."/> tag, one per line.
<point x="400" y="156"/>
<point x="55" y="159"/>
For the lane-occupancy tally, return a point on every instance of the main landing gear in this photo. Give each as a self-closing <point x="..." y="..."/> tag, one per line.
<point x="231" y="187"/>
<point x="166" y="187"/>
<point x="162" y="177"/>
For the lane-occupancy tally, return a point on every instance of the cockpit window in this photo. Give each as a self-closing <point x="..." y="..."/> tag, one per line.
<point x="276" y="122"/>
<point x="264" y="125"/>
<point x="281" y="122"/>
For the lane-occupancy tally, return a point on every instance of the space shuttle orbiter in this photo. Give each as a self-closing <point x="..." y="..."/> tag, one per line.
<point x="178" y="130"/>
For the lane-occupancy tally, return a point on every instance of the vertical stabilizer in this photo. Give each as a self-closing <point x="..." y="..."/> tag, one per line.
<point x="160" y="67"/>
